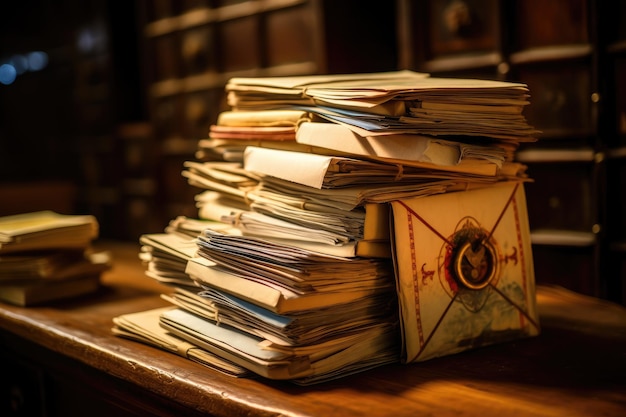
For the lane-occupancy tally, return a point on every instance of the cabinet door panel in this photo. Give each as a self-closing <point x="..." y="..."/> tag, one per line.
<point x="165" y="57"/>
<point x="458" y="27"/>
<point x="240" y="46"/>
<point x="561" y="196"/>
<point x="200" y="111"/>
<point x="166" y="115"/>
<point x="289" y="37"/>
<point x="197" y="51"/>
<point x="560" y="102"/>
<point x="555" y="22"/>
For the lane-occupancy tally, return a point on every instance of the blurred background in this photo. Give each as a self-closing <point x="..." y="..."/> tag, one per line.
<point x="101" y="102"/>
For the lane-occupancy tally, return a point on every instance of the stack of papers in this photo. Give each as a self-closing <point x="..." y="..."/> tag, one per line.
<point x="47" y="256"/>
<point x="321" y="171"/>
<point x="144" y="327"/>
<point x="358" y="139"/>
<point x="273" y="307"/>
<point x="165" y="257"/>
<point x="305" y="365"/>
<point x="286" y="312"/>
<point x="400" y="102"/>
<point x="304" y="241"/>
<point x="289" y="278"/>
<point x="272" y="92"/>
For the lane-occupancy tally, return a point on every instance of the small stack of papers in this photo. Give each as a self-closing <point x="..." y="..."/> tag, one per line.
<point x="46" y="256"/>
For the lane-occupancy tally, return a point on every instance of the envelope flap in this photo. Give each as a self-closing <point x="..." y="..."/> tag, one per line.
<point x="464" y="270"/>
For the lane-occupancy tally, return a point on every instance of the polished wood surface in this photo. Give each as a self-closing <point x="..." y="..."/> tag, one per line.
<point x="576" y="367"/>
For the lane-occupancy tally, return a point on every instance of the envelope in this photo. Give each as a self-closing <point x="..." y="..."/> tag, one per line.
<point x="464" y="270"/>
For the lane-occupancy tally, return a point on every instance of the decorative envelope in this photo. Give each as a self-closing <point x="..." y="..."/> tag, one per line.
<point x="464" y="270"/>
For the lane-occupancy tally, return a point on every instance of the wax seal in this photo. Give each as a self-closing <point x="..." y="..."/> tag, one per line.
<point x="472" y="260"/>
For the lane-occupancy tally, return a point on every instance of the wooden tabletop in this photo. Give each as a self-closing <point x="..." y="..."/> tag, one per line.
<point x="576" y="367"/>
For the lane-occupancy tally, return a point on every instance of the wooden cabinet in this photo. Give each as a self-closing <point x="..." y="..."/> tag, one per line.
<point x="571" y="55"/>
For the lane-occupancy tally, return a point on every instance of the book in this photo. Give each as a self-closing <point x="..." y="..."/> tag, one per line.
<point x="464" y="270"/>
<point x="44" y="230"/>
<point x="36" y="292"/>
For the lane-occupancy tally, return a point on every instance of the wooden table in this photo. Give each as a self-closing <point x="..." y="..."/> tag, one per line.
<point x="63" y="360"/>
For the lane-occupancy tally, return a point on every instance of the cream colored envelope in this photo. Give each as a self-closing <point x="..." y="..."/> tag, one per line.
<point x="464" y="270"/>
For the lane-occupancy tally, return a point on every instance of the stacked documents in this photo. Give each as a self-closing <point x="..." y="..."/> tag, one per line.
<point x="273" y="307"/>
<point x="144" y="327"/>
<point x="439" y="153"/>
<point x="359" y="140"/>
<point x="47" y="256"/>
<point x="396" y="102"/>
<point x="350" y="221"/>
<point x="165" y="256"/>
